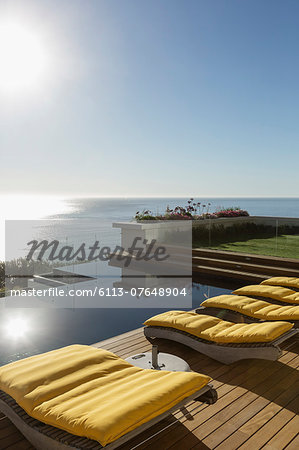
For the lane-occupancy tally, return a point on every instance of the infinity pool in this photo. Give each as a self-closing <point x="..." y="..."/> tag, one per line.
<point x="25" y="332"/>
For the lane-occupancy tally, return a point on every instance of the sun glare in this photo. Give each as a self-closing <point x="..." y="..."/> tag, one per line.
<point x="17" y="328"/>
<point x="22" y="58"/>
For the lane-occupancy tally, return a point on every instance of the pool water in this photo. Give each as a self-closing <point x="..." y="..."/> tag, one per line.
<point x="48" y="329"/>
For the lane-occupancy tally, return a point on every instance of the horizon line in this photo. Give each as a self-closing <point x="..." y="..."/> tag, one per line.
<point x="61" y="196"/>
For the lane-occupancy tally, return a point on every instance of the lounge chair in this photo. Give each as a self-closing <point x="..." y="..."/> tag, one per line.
<point x="288" y="282"/>
<point x="273" y="294"/>
<point x="224" y="341"/>
<point x="84" y="397"/>
<point x="232" y="307"/>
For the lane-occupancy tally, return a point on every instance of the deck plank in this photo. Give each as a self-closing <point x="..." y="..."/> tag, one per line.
<point x="206" y="428"/>
<point x="272" y="427"/>
<point x="285" y="436"/>
<point x="294" y="444"/>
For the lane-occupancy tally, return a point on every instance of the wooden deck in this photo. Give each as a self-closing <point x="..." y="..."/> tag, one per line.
<point x="257" y="406"/>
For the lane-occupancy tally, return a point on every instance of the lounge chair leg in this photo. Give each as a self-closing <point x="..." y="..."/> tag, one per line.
<point x="186" y="413"/>
<point x="209" y="397"/>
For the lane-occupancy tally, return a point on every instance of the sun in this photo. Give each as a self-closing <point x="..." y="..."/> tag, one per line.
<point x="23" y="60"/>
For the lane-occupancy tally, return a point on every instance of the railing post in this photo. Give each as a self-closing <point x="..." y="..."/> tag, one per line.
<point x="276" y="238"/>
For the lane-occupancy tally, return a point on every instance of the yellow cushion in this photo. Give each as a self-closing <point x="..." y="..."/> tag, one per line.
<point x="218" y="330"/>
<point x="275" y="292"/>
<point x="253" y="308"/>
<point x="290" y="282"/>
<point x="93" y="393"/>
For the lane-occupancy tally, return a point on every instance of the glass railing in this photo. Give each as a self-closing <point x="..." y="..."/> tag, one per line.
<point x="278" y="237"/>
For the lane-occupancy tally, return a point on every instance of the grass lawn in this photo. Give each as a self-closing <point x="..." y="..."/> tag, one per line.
<point x="286" y="246"/>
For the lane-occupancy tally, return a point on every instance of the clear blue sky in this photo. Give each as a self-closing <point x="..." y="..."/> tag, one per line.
<point x="157" y="98"/>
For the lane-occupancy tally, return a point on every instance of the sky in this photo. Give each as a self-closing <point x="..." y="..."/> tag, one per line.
<point x="154" y="98"/>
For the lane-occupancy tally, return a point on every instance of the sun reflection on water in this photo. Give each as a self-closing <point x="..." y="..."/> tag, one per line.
<point x="17" y="328"/>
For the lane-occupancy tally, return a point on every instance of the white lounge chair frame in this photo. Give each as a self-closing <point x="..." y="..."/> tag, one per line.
<point x="225" y="353"/>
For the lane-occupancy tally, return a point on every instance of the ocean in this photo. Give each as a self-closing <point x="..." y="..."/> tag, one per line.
<point x="122" y="209"/>
<point x="48" y="329"/>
